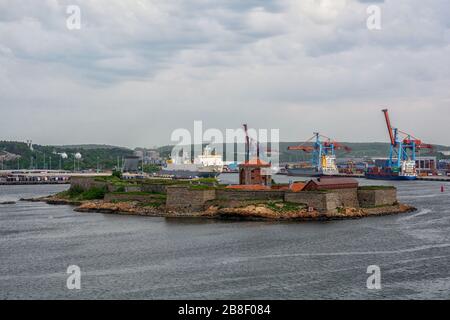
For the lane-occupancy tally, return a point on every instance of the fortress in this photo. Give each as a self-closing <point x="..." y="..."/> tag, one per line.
<point x="326" y="197"/>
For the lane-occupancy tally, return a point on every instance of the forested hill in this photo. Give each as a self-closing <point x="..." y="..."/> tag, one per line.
<point x="19" y="155"/>
<point x="44" y="156"/>
<point x="358" y="150"/>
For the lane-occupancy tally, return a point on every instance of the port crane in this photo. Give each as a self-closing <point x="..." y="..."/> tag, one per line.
<point x="323" y="152"/>
<point x="402" y="152"/>
<point x="247" y="143"/>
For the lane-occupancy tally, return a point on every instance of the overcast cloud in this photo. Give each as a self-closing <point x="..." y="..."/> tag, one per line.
<point x="138" y="69"/>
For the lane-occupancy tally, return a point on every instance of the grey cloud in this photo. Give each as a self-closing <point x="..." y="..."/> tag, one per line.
<point x="153" y="66"/>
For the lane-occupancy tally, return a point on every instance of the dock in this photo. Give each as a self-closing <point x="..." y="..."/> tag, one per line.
<point x="362" y="176"/>
<point x="17" y="183"/>
<point x="435" y="178"/>
<point x="35" y="177"/>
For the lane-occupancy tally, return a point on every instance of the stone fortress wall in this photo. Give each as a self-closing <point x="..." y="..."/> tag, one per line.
<point x="191" y="198"/>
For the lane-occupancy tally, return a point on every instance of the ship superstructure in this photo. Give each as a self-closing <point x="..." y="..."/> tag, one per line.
<point x="205" y="165"/>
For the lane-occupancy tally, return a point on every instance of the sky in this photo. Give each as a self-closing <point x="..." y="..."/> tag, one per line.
<point x="136" y="70"/>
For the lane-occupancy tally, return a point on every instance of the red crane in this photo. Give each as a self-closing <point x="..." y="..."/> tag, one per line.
<point x="337" y="145"/>
<point x="389" y="127"/>
<point x="301" y="148"/>
<point x="403" y="149"/>
<point x="407" y="140"/>
<point x="329" y="143"/>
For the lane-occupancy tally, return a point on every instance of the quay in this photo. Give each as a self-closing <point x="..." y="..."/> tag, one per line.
<point x="434" y="178"/>
<point x="33" y="177"/>
<point x="422" y="178"/>
<point x="10" y="183"/>
<point x="362" y="176"/>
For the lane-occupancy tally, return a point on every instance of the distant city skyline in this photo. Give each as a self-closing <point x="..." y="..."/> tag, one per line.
<point x="135" y="71"/>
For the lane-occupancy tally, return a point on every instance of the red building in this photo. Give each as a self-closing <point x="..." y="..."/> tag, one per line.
<point x="331" y="183"/>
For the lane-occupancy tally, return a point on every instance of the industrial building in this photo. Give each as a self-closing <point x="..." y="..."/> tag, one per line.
<point x="148" y="156"/>
<point x="131" y="164"/>
<point x="426" y="165"/>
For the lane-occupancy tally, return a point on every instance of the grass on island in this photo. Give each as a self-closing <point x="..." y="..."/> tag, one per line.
<point x="376" y="188"/>
<point x="168" y="182"/>
<point x="318" y="191"/>
<point x="120" y="183"/>
<point x="115" y="181"/>
<point x="77" y="193"/>
<point x="207" y="180"/>
<point x="396" y="203"/>
<point x="198" y="181"/>
<point x="154" y="195"/>
<point x="201" y="187"/>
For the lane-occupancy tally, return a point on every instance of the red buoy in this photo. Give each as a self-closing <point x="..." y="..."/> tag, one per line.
<point x="442" y="188"/>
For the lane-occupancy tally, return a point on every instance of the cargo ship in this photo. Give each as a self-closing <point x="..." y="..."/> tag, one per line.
<point x="407" y="172"/>
<point x="301" y="171"/>
<point x="328" y="168"/>
<point x="401" y="164"/>
<point x="323" y="161"/>
<point x="206" y="165"/>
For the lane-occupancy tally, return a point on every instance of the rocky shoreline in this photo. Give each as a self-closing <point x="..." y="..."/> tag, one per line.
<point x="246" y="212"/>
<point x="255" y="212"/>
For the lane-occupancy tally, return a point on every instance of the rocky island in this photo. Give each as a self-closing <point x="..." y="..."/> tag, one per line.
<point x="317" y="199"/>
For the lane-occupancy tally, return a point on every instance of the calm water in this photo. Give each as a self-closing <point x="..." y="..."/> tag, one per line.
<point x="155" y="258"/>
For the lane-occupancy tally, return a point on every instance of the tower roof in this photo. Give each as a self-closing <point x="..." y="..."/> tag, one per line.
<point x="255" y="162"/>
